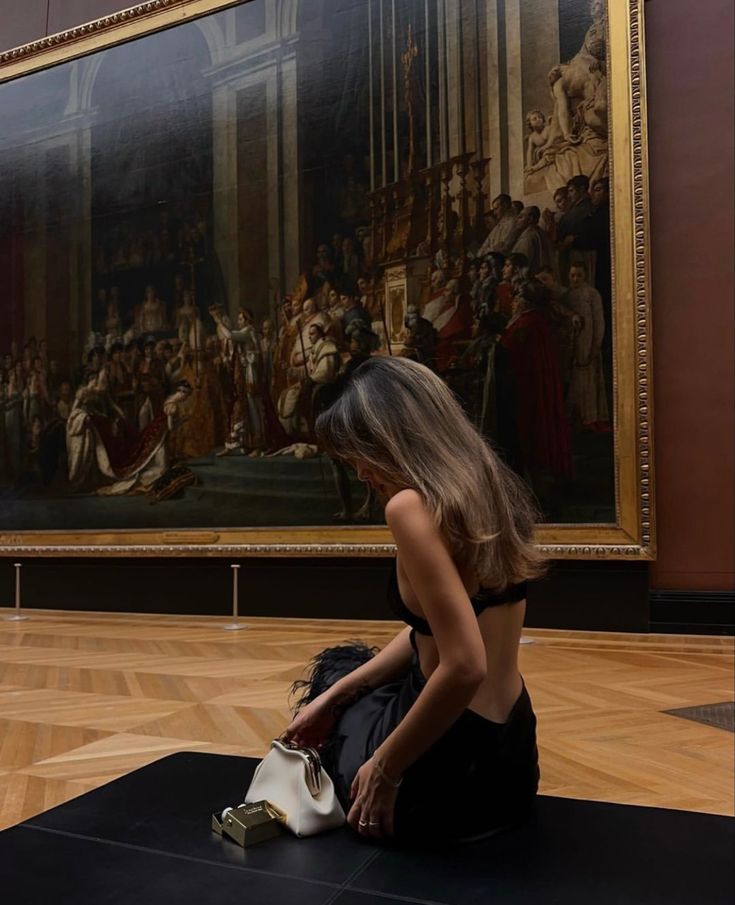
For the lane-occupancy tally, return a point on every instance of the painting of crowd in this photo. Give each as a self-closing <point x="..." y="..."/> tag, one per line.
<point x="532" y="355"/>
<point x="519" y="325"/>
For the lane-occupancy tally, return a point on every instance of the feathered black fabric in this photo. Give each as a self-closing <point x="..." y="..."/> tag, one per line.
<point x="329" y="667"/>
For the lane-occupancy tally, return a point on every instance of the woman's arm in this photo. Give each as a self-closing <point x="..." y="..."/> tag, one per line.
<point x="444" y="600"/>
<point x="391" y="663"/>
<point x="314" y="722"/>
<point x="222" y="327"/>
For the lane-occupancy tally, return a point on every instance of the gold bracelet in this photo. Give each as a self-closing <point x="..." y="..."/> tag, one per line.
<point x="383" y="775"/>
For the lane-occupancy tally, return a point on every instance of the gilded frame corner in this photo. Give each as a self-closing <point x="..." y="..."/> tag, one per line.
<point x="633" y="536"/>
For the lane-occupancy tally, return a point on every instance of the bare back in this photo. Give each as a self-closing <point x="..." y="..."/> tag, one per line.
<point x="500" y="627"/>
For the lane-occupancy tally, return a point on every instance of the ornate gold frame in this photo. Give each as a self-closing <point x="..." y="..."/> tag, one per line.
<point x="633" y="536"/>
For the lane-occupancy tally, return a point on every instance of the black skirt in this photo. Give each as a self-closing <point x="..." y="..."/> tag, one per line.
<point x="478" y="778"/>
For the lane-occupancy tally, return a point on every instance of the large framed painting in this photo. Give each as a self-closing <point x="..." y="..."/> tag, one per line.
<point x="210" y="212"/>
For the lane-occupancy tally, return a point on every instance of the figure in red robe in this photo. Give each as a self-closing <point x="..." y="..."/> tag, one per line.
<point x="540" y="430"/>
<point x="451" y="317"/>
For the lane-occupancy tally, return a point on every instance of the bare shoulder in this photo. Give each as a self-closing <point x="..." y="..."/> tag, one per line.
<point x="408" y="512"/>
<point x="405" y="504"/>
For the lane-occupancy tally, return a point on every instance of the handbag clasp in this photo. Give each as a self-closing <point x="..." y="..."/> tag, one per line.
<point x="312" y="764"/>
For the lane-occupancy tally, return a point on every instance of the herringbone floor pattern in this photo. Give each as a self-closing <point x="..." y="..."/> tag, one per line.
<point x="85" y="698"/>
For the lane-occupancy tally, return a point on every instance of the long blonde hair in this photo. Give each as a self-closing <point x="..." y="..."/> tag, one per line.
<point x="397" y="417"/>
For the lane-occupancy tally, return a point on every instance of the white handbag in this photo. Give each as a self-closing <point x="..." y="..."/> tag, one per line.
<point x="293" y="779"/>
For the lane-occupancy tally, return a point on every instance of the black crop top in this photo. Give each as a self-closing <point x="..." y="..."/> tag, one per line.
<point x="480" y="601"/>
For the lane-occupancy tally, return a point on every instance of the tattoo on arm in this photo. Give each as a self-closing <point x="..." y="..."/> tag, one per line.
<point x="346" y="699"/>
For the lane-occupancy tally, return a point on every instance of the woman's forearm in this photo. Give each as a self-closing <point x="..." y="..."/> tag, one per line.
<point x="391" y="663"/>
<point x="441" y="702"/>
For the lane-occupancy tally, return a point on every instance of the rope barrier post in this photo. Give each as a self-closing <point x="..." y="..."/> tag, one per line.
<point x="235" y="625"/>
<point x="17" y="616"/>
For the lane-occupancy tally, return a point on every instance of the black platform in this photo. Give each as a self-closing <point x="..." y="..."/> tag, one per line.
<point x="145" y="838"/>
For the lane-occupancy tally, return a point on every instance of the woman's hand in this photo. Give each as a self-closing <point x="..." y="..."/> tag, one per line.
<point x="374" y="804"/>
<point x="313" y="724"/>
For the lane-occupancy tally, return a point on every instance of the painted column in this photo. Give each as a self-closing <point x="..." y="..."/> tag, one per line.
<point x="371" y="98"/>
<point x="80" y="276"/>
<point x="34" y="257"/>
<point x="455" y="112"/>
<point x="461" y="112"/>
<point x="427" y="79"/>
<point x="383" y="158"/>
<point x="441" y="35"/>
<point x="224" y="187"/>
<point x="514" y="68"/>
<point x="273" y="101"/>
<point x="394" y="85"/>
<point x="290" y="156"/>
<point x="492" y="131"/>
<point x="477" y="82"/>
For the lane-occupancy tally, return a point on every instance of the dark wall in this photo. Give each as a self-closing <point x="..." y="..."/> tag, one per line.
<point x="690" y="114"/>
<point x="21" y="23"/>
<point x="596" y="597"/>
<point x="690" y="103"/>
<point x="29" y="20"/>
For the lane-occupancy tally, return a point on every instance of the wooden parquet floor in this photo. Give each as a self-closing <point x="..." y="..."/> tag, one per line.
<point x="85" y="698"/>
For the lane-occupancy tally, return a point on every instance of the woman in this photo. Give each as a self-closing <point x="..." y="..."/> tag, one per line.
<point x="150" y="315"/>
<point x="186" y="315"/>
<point x="113" y="321"/>
<point x="433" y="738"/>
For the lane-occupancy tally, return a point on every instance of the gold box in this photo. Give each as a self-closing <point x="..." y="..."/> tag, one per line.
<point x="249" y="823"/>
